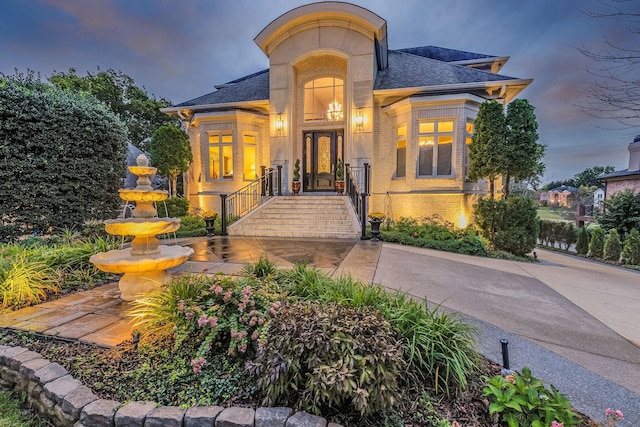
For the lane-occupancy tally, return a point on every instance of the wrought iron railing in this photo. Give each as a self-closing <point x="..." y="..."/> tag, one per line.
<point x="357" y="189"/>
<point x="238" y="204"/>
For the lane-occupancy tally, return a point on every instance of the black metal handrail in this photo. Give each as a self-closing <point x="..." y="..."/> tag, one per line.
<point x="238" y="204"/>
<point x="357" y="189"/>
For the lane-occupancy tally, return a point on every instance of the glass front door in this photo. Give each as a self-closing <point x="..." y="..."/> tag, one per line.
<point x="321" y="151"/>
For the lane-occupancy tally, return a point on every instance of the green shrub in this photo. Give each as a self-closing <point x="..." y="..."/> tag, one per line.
<point x="191" y="226"/>
<point x="173" y="207"/>
<point x="523" y="400"/>
<point x="63" y="158"/>
<point x="631" y="250"/>
<point x="316" y="357"/>
<point x="582" y="244"/>
<point x="468" y="245"/>
<point x="440" y="346"/>
<point x="612" y="246"/>
<point x="596" y="244"/>
<point x="510" y="225"/>
<point x="569" y="235"/>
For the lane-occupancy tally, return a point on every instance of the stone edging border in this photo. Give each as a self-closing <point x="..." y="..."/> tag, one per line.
<point x="66" y="402"/>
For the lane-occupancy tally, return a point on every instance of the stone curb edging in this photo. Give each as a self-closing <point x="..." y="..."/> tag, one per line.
<point x="66" y="402"/>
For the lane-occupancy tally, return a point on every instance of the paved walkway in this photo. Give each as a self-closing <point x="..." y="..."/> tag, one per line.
<point x="576" y="323"/>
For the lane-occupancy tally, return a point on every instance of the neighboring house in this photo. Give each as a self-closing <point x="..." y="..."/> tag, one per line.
<point x="334" y="90"/>
<point x="627" y="178"/>
<point x="562" y="196"/>
<point x="598" y="197"/>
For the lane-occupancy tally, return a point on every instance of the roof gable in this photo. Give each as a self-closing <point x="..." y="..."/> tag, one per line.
<point x="444" y="54"/>
<point x="254" y="87"/>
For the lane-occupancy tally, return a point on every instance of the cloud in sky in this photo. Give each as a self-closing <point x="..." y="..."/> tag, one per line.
<point x="180" y="50"/>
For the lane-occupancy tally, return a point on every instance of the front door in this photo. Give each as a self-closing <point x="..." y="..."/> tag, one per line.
<point x="321" y="151"/>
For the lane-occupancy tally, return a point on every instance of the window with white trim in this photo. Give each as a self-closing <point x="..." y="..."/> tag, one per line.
<point x="435" y="148"/>
<point x="220" y="156"/>
<point x="324" y="99"/>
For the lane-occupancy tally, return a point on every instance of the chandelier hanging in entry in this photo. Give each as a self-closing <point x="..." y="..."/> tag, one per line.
<point x="334" y="112"/>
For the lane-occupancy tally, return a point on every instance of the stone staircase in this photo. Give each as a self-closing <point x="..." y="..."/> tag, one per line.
<point x="317" y="216"/>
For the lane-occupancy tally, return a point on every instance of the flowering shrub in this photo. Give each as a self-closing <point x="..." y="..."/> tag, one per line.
<point x="209" y="311"/>
<point x="523" y="400"/>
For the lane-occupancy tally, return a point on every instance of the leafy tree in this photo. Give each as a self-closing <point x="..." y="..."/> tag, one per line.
<point x="510" y="225"/>
<point x="61" y="158"/>
<point x="612" y="246"/>
<point x="631" y="250"/>
<point x="596" y="244"/>
<point x="522" y="155"/>
<point x="506" y="145"/>
<point x="621" y="211"/>
<point x="615" y="91"/>
<point x="590" y="177"/>
<point x="488" y="141"/>
<point x="582" y="244"/>
<point x="136" y="109"/>
<point x="170" y="152"/>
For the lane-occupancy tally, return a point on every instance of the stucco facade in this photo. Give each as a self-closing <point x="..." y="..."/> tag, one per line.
<point x="334" y="90"/>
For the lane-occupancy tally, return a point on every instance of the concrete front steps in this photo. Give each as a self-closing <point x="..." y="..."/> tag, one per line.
<point x="317" y="216"/>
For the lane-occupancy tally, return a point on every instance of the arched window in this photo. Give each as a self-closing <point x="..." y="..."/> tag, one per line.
<point x="324" y="99"/>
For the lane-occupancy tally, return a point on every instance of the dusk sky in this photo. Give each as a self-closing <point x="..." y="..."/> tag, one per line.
<point x="181" y="49"/>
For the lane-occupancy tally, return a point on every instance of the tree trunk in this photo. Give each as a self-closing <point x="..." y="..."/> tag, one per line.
<point x="505" y="190"/>
<point x="491" y="187"/>
<point x="174" y="185"/>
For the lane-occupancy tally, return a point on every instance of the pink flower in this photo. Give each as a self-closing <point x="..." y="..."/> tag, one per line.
<point x="227" y="296"/>
<point x="197" y="364"/>
<point x="557" y="424"/>
<point x="254" y="335"/>
<point x="203" y="320"/>
<point x="253" y="321"/>
<point x="188" y="315"/>
<point x="217" y="289"/>
<point x="242" y="348"/>
<point x="247" y="291"/>
<point x="613" y="415"/>
<point x="261" y="321"/>
<point x="213" y="322"/>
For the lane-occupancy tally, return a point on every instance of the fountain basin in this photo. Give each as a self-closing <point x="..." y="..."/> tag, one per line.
<point x="121" y="260"/>
<point x="142" y="170"/>
<point x="141" y="226"/>
<point x="142" y="195"/>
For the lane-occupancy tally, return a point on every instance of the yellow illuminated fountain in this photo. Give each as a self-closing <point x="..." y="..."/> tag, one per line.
<point x="144" y="264"/>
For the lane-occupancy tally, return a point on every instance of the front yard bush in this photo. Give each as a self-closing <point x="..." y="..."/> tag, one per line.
<point x="612" y="246"/>
<point x="631" y="250"/>
<point x="582" y="244"/>
<point x="596" y="244"/>
<point x="317" y="357"/>
<point x="510" y="225"/>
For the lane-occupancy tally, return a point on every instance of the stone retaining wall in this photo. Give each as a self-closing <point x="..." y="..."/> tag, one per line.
<point x="67" y="403"/>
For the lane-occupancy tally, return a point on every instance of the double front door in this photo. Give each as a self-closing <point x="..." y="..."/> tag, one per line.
<point x="321" y="151"/>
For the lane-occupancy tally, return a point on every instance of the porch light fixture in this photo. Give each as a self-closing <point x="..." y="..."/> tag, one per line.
<point x="359" y="120"/>
<point x="334" y="112"/>
<point x="279" y="124"/>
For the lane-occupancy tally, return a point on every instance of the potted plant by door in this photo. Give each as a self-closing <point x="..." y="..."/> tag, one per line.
<point x="295" y="185"/>
<point x="340" y="176"/>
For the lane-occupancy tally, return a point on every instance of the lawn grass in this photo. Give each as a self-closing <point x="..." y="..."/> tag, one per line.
<point x="547" y="213"/>
<point x="12" y="414"/>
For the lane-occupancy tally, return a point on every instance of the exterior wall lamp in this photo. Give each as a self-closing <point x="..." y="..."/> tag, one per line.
<point x="279" y="126"/>
<point x="359" y="120"/>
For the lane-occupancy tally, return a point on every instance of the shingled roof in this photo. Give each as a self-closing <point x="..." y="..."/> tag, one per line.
<point x="254" y="87"/>
<point x="407" y="70"/>
<point x="444" y="54"/>
<point x="426" y="66"/>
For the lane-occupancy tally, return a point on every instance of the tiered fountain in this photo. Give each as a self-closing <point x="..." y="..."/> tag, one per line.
<point x="144" y="264"/>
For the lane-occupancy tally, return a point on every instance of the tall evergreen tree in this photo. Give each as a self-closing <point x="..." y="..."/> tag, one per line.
<point x="582" y="245"/>
<point x="612" y="246"/>
<point x="631" y="249"/>
<point x="522" y="158"/>
<point x="487" y="144"/>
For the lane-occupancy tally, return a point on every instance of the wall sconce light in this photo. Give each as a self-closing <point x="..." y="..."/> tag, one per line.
<point x="359" y="120"/>
<point x="279" y="124"/>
